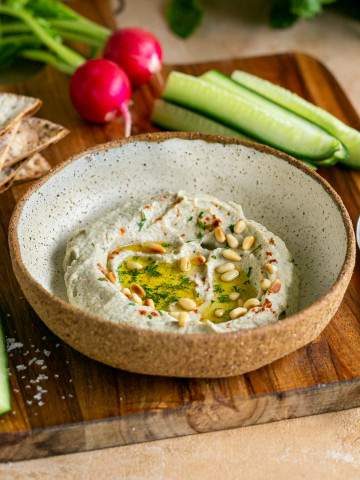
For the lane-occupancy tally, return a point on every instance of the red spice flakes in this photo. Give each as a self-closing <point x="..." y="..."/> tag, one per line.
<point x="269" y="254"/>
<point x="102" y="269"/>
<point x="211" y="221"/>
<point x="275" y="287"/>
<point x="266" y="304"/>
<point x="216" y="222"/>
<point x="273" y="260"/>
<point x="122" y="231"/>
<point x="142" y="312"/>
<point x="272" y="241"/>
<point x="147" y="206"/>
<point x="155" y="314"/>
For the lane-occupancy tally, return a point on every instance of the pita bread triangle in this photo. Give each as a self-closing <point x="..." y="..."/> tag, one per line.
<point x="33" y="135"/>
<point x="14" y="107"/>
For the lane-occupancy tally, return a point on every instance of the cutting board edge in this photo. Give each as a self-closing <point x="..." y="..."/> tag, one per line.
<point x="181" y="421"/>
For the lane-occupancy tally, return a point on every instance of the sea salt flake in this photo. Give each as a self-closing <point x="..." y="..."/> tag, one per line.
<point x="11" y="344"/>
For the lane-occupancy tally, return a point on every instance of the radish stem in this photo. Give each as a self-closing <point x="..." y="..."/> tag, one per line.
<point x="124" y="109"/>
<point x="66" y="54"/>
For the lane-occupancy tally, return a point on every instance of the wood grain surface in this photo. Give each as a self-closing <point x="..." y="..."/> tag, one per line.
<point x="63" y="402"/>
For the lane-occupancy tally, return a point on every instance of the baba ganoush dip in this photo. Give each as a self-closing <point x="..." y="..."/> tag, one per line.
<point x="181" y="263"/>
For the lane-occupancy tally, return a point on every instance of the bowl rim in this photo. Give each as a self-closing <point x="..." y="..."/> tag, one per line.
<point x="158" y="137"/>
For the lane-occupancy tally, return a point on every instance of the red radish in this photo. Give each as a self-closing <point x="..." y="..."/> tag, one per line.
<point x="101" y="91"/>
<point x="137" y="51"/>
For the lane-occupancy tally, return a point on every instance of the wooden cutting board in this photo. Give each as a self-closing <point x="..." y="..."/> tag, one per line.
<point x="64" y="402"/>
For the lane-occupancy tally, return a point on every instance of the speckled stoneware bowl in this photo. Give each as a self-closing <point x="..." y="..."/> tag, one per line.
<point x="290" y="200"/>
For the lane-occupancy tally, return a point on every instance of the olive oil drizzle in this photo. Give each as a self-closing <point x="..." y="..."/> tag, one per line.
<point x="165" y="284"/>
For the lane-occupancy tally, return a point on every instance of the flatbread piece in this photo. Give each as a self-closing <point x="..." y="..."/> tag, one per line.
<point x="33" y="135"/>
<point x="14" y="107"/>
<point x="36" y="167"/>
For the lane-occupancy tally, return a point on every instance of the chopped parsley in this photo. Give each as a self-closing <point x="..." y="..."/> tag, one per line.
<point x="184" y="282"/>
<point x="231" y="228"/>
<point x="224" y="298"/>
<point x="152" y="269"/>
<point x="256" y="249"/>
<point x="142" y="220"/>
<point x="190" y="218"/>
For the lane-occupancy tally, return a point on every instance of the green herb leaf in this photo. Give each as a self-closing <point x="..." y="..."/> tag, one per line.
<point x="142" y="220"/>
<point x="231" y="228"/>
<point x="224" y="298"/>
<point x="183" y="16"/>
<point x="151" y="269"/>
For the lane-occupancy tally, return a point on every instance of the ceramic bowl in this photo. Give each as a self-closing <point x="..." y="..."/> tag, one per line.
<point x="274" y="189"/>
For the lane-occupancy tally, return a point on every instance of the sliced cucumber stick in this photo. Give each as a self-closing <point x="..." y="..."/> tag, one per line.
<point x="5" y="404"/>
<point x="173" y="117"/>
<point x="268" y="123"/>
<point x="281" y="96"/>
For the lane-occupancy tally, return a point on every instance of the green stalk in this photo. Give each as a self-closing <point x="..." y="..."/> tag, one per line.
<point x="91" y="26"/>
<point x="79" y="37"/>
<point x="13" y="27"/>
<point x="48" y="58"/>
<point x="80" y="27"/>
<point x="64" y="53"/>
<point x="19" y="40"/>
<point x="20" y="28"/>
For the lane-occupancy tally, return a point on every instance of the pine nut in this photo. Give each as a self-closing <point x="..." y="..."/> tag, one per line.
<point x="135" y="288"/>
<point x="232" y="241"/>
<point x="251" y="303"/>
<point x="237" y="312"/>
<point x="240" y="226"/>
<point x="219" y="235"/>
<point x="229" y="276"/>
<point x="187" y="304"/>
<point x="185" y="264"/>
<point x="182" y="318"/>
<point x="225" y="267"/>
<point x="149" y="302"/>
<point x="234" y="296"/>
<point x="132" y="265"/>
<point x="269" y="267"/>
<point x="111" y="277"/>
<point x="248" y="242"/>
<point x="219" y="312"/>
<point x="173" y="307"/>
<point x="136" y="298"/>
<point x="199" y="260"/>
<point x="154" y="247"/>
<point x="231" y="255"/>
<point x="265" y="284"/>
<point x="275" y="287"/>
<point x="127" y="293"/>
